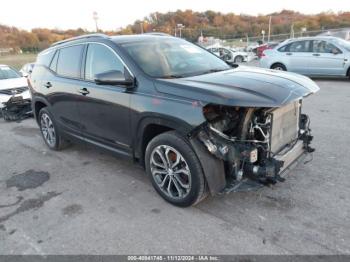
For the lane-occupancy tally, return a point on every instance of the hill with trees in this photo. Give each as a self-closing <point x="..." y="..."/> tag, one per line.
<point x="210" y="23"/>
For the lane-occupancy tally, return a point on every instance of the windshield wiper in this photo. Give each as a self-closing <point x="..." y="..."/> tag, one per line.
<point x="173" y="76"/>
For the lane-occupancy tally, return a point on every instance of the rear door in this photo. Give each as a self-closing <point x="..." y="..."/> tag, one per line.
<point x="327" y="59"/>
<point x="104" y="109"/>
<point x="63" y="87"/>
<point x="297" y="55"/>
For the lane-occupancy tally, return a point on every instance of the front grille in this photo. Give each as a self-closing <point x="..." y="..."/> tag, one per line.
<point x="285" y="126"/>
<point x="14" y="91"/>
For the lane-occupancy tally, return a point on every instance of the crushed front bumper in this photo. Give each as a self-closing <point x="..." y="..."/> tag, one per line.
<point x="15" y="107"/>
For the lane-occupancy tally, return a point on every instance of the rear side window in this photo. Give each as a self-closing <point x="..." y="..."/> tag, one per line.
<point x="69" y="60"/>
<point x="100" y="59"/>
<point x="53" y="65"/>
<point x="296" y="47"/>
<point x="45" y="57"/>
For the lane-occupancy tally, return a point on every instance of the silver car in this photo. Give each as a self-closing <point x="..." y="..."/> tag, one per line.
<point x="314" y="56"/>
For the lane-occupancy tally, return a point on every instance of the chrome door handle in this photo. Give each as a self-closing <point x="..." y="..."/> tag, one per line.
<point x="84" y="91"/>
<point x="48" y="85"/>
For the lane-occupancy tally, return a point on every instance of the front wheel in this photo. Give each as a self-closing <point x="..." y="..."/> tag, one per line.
<point x="174" y="170"/>
<point x="239" y="59"/>
<point x="279" y="67"/>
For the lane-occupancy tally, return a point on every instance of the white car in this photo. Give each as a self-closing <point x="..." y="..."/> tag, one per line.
<point x="229" y="54"/>
<point x="15" y="98"/>
<point x="312" y="56"/>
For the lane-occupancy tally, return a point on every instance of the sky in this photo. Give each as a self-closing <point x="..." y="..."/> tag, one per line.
<point x="66" y="14"/>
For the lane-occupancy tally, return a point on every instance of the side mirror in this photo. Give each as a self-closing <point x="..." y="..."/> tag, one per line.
<point x="24" y="74"/>
<point x="113" y="77"/>
<point x="335" y="51"/>
<point x="232" y="64"/>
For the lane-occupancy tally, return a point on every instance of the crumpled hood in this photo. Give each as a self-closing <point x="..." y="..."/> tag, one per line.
<point x="242" y="86"/>
<point x="13" y="83"/>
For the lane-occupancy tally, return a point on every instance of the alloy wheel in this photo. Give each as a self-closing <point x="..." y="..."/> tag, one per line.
<point x="48" y="129"/>
<point x="170" y="171"/>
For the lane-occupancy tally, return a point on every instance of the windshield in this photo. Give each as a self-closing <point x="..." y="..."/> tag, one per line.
<point x="7" y="72"/>
<point x="173" y="58"/>
<point x="344" y="44"/>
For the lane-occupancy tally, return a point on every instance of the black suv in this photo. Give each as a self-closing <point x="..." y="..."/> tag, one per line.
<point x="197" y="124"/>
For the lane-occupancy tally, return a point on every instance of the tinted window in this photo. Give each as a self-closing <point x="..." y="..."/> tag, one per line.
<point x="53" y="65"/>
<point x="45" y="57"/>
<point x="299" y="46"/>
<point x="69" y="61"/>
<point x="320" y="46"/>
<point x="101" y="59"/>
<point x="7" y="72"/>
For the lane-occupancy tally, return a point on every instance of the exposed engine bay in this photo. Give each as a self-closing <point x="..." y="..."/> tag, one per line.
<point x="256" y="144"/>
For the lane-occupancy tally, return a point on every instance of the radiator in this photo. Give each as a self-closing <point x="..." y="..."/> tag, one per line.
<point x="285" y="126"/>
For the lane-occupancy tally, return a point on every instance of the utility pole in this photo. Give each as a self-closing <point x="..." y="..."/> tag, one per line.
<point x="95" y="17"/>
<point x="180" y="27"/>
<point x="292" y="31"/>
<point x="141" y="27"/>
<point x="268" y="37"/>
<point x="263" y="34"/>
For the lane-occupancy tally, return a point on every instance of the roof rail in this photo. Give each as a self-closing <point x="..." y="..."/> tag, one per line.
<point x="80" y="37"/>
<point x="157" y="33"/>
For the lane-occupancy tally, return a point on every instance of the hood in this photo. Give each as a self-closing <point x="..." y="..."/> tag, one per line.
<point x="13" y="83"/>
<point x="242" y="86"/>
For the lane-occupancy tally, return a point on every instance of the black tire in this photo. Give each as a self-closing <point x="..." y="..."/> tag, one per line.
<point x="239" y="59"/>
<point x="197" y="190"/>
<point x="59" y="142"/>
<point x="279" y="66"/>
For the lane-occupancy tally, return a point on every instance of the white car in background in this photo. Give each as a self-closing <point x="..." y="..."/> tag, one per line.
<point x="15" y="98"/>
<point x="313" y="56"/>
<point x="229" y="54"/>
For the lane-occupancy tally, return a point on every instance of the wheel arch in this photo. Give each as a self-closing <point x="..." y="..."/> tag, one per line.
<point x="37" y="104"/>
<point x="151" y="126"/>
<point x="278" y="63"/>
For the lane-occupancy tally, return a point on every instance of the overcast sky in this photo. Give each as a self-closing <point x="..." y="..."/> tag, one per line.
<point x="64" y="14"/>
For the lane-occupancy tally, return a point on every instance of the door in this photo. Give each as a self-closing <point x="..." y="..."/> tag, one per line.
<point x="297" y="55"/>
<point x="328" y="59"/>
<point x="63" y="87"/>
<point x="104" y="109"/>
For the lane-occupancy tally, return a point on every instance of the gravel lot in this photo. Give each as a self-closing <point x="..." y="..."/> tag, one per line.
<point x="82" y="201"/>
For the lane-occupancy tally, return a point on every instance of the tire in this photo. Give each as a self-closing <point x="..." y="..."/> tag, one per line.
<point x="177" y="178"/>
<point x="50" y="132"/>
<point x="239" y="59"/>
<point x="279" y="67"/>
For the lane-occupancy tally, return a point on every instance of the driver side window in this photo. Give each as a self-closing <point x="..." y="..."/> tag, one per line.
<point x="100" y="59"/>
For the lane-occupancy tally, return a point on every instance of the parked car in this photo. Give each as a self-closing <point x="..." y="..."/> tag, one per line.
<point x="229" y="54"/>
<point x="314" y="56"/>
<point x="15" y="98"/>
<point x="27" y="69"/>
<point x="259" y="50"/>
<point x="196" y="124"/>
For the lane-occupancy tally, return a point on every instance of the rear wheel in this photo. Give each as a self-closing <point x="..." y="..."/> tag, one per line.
<point x="238" y="59"/>
<point x="175" y="170"/>
<point x="279" y="67"/>
<point x="49" y="131"/>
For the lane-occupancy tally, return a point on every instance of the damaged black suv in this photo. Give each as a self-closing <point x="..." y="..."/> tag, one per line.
<point x="197" y="124"/>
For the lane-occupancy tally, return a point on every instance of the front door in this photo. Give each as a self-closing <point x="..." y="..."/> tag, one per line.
<point x="104" y="109"/>
<point x="327" y="59"/>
